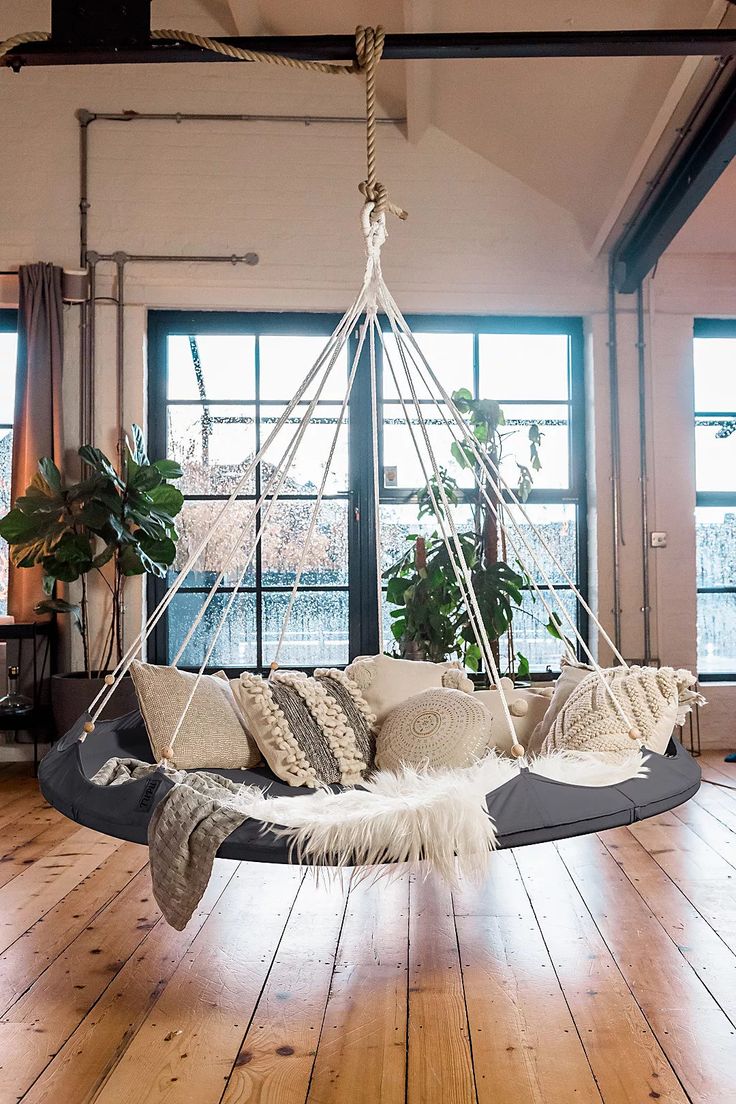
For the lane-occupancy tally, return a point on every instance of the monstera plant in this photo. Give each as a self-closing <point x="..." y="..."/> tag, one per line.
<point x="109" y="525"/>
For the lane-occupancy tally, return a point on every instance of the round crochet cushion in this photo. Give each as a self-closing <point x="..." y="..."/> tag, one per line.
<point x="439" y="727"/>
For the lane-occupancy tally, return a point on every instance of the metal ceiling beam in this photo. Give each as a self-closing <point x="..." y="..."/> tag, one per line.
<point x="403" y="47"/>
<point x="672" y="200"/>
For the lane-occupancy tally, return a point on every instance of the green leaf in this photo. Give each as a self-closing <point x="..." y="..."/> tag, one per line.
<point x="396" y="591"/>
<point x="460" y="455"/>
<point x="168" y="469"/>
<point x="50" y="474"/>
<point x="18" y="528"/>
<point x="99" y="463"/>
<point x="65" y="571"/>
<point x="105" y="556"/>
<point x="167" y="499"/>
<point x="139" y="446"/>
<point x="160" y="552"/>
<point x="73" y="548"/>
<point x="553" y="626"/>
<point x="522" y="670"/>
<point x="129" y="562"/>
<point x="59" y="605"/>
<point x="146" y="478"/>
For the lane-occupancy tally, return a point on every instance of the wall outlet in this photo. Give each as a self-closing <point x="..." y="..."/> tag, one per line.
<point x="390" y="476"/>
<point x="658" y="540"/>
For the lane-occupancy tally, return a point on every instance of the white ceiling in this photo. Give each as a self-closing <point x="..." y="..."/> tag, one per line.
<point x="584" y="133"/>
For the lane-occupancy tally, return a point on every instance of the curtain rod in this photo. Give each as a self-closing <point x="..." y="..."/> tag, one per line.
<point x="405" y="47"/>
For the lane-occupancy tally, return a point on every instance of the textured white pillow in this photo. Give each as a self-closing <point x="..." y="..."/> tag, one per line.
<point x="653" y="699"/>
<point x="438" y="727"/>
<point x="571" y="675"/>
<point x="386" y="682"/>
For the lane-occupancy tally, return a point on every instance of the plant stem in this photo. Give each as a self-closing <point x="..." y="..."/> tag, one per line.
<point x="85" y="628"/>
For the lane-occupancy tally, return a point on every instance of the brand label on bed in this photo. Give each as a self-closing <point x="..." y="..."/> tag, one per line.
<point x="147" y="800"/>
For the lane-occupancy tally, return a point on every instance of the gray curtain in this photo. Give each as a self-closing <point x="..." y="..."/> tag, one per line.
<point x="37" y="428"/>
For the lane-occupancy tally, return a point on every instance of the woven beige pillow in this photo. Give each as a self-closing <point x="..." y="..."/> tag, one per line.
<point x="436" y="728"/>
<point x="213" y="733"/>
<point x="386" y="682"/>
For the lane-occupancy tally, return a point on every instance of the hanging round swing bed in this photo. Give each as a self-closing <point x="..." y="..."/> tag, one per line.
<point x="526" y="805"/>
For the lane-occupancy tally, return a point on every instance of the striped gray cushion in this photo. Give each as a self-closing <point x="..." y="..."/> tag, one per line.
<point x="310" y="731"/>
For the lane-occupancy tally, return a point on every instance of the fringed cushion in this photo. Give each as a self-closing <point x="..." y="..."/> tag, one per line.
<point x="386" y="682"/>
<point x="653" y="699"/>
<point x="213" y="733"/>
<point x="311" y="731"/>
<point x="438" y="728"/>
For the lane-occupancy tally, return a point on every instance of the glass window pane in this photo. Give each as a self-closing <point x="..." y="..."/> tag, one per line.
<point x="557" y="523"/>
<point x="317" y="633"/>
<point x="449" y="355"/>
<point x="214" y="446"/>
<point x="284" y="538"/>
<point x="530" y="633"/>
<point x="717" y="633"/>
<point x="400" y="520"/>
<point x="286" y="359"/>
<point x="715" y="455"/>
<point x="8" y="348"/>
<point x="236" y="644"/>
<point x="715" y="534"/>
<point x="554" y="450"/>
<point x="523" y="366"/>
<point x="400" y="449"/>
<point x="225" y="368"/>
<point x="231" y="543"/>
<point x="313" y="451"/>
<point x="715" y="373"/>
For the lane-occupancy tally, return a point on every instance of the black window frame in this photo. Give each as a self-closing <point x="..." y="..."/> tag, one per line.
<point x="8" y="324"/>
<point x="704" y="328"/>
<point x="361" y="588"/>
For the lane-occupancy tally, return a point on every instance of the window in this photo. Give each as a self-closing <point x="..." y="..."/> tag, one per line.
<point x="715" y="514"/>
<point x="8" y="345"/>
<point x="219" y="381"/>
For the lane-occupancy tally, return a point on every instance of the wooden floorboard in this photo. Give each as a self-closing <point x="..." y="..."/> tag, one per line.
<point x="599" y="970"/>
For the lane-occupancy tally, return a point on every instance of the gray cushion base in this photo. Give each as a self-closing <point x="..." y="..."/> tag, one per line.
<point x="526" y="809"/>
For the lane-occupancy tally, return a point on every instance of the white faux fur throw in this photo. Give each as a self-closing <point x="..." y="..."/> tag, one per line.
<point x="440" y="817"/>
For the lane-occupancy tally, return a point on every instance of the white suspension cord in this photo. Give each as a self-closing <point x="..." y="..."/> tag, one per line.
<point x="168" y="752"/>
<point x="320" y="496"/>
<point x="460" y="421"/>
<point x="487" y="466"/>
<point x="336" y="341"/>
<point x="376" y="483"/>
<point x="439" y="514"/>
<point x="483" y="642"/>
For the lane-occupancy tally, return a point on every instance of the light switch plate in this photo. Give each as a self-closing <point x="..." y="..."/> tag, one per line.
<point x="390" y="475"/>
<point x="658" y="540"/>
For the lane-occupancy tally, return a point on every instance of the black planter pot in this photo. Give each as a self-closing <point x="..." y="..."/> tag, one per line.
<point x="72" y="694"/>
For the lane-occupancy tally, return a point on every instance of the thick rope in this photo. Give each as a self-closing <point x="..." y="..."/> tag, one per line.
<point x="215" y="46"/>
<point x="21" y="40"/>
<point x="368" y="51"/>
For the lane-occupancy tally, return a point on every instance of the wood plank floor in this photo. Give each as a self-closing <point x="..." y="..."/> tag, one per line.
<point x="600" y="970"/>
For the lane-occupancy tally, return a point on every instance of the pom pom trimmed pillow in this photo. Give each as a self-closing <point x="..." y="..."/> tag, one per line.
<point x="437" y="728"/>
<point x="311" y="731"/>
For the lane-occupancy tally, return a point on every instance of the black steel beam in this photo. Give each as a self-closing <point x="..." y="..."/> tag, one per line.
<point x="670" y="204"/>
<point x="406" y="47"/>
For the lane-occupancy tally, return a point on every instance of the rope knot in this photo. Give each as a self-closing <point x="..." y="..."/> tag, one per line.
<point x="369" y="46"/>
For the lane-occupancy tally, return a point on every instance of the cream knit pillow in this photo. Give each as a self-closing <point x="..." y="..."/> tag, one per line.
<point x="386" y="682"/>
<point x="653" y="699"/>
<point x="213" y="733"/>
<point x="436" y="728"/>
<point x="311" y="731"/>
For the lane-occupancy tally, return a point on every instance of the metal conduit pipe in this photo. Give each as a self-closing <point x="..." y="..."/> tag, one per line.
<point x="617" y="534"/>
<point x="643" y="474"/>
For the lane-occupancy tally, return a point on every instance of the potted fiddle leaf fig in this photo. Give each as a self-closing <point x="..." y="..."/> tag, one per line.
<point x="109" y="526"/>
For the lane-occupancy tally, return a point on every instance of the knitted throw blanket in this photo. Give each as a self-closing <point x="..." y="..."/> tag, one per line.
<point x="438" y="816"/>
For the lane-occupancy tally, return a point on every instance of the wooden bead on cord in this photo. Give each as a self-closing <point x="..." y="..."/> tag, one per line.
<point x="109" y="680"/>
<point x="634" y="734"/>
<point x="518" y="751"/>
<point x="89" y="726"/>
<point x="168" y="753"/>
